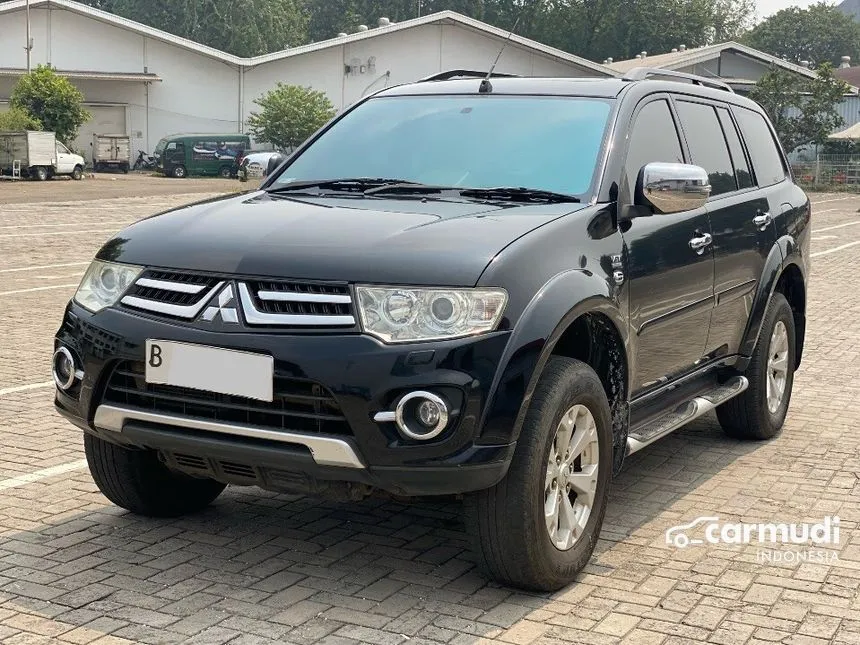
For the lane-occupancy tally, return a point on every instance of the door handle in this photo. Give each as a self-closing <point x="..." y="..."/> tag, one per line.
<point x="699" y="244"/>
<point x="762" y="220"/>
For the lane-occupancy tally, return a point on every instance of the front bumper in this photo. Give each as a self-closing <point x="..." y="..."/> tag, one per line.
<point x="363" y="375"/>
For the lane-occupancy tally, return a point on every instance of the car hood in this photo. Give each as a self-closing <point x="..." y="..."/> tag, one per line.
<point x="405" y="241"/>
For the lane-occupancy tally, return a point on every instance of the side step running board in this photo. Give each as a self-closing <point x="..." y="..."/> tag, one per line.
<point x="683" y="414"/>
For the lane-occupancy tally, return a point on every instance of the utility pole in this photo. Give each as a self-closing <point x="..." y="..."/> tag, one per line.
<point x="29" y="46"/>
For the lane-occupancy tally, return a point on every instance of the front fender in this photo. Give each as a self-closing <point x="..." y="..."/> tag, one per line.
<point x="550" y="312"/>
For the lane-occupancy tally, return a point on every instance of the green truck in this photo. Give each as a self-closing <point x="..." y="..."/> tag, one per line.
<point x="184" y="155"/>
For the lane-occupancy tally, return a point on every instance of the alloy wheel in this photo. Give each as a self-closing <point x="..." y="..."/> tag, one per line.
<point x="777" y="367"/>
<point x="571" y="477"/>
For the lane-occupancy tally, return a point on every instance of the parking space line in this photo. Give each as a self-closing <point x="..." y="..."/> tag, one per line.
<point x="833" y="228"/>
<point x="44" y="233"/>
<point x="61" y="225"/>
<point x="815" y="238"/>
<point x="56" y="286"/>
<point x="837" y="199"/>
<point x="29" y="478"/>
<point x="43" y="266"/>
<point x="25" y="388"/>
<point x="834" y="250"/>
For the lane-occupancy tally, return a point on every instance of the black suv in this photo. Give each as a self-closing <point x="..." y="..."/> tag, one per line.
<point x="493" y="288"/>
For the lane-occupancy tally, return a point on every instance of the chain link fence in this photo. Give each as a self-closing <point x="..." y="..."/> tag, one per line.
<point x="829" y="172"/>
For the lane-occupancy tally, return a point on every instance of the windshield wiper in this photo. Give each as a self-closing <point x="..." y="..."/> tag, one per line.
<point x="351" y="184"/>
<point x="519" y="194"/>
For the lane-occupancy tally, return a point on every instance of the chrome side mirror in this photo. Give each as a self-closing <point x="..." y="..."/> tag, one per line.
<point x="673" y="187"/>
<point x="274" y="162"/>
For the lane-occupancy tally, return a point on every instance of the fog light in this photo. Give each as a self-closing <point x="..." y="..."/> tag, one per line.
<point x="419" y="415"/>
<point x="63" y="369"/>
<point x="429" y="413"/>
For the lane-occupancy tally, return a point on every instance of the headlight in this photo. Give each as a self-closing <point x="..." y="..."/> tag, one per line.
<point x="104" y="283"/>
<point x="404" y="314"/>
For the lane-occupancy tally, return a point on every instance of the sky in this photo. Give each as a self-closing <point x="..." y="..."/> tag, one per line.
<point x="768" y="7"/>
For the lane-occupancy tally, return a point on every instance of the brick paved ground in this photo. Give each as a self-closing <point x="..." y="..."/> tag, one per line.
<point x="264" y="568"/>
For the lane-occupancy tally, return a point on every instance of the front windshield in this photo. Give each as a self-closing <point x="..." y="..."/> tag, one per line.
<point x="159" y="148"/>
<point x="547" y="143"/>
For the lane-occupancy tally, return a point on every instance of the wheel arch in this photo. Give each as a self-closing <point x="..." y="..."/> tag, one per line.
<point x="784" y="271"/>
<point x="592" y="330"/>
<point x="792" y="285"/>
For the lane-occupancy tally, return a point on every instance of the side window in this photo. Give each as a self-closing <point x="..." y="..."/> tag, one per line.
<point x="654" y="138"/>
<point x="171" y="146"/>
<point x="739" y="159"/>
<point x="204" y="150"/>
<point x="707" y="145"/>
<point x="766" y="158"/>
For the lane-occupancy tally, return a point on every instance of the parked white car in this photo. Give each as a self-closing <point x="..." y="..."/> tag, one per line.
<point x="68" y="163"/>
<point x="37" y="155"/>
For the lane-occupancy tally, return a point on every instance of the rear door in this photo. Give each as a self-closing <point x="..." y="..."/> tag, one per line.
<point x="670" y="284"/>
<point x="742" y="231"/>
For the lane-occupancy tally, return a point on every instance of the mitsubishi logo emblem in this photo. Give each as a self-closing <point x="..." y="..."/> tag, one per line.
<point x="224" y="306"/>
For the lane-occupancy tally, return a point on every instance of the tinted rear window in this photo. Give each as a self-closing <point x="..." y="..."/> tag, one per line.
<point x="766" y="159"/>
<point x="742" y="169"/>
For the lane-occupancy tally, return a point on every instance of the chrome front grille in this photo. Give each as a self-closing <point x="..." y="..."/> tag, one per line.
<point x="272" y="303"/>
<point x="298" y="404"/>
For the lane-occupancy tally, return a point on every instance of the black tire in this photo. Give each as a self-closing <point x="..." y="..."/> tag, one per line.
<point x="747" y="416"/>
<point x="506" y="522"/>
<point x="40" y="173"/>
<point x="77" y="173"/>
<point x="137" y="481"/>
<point x="226" y="172"/>
<point x="179" y="172"/>
<point x="125" y="169"/>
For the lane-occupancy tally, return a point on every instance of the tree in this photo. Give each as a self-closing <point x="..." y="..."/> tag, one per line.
<point x="246" y="28"/>
<point x="17" y="120"/>
<point x="819" y="34"/>
<point x="290" y="114"/>
<point x="802" y="110"/>
<point x="52" y="100"/>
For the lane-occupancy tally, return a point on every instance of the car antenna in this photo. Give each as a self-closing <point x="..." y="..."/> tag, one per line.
<point x="486" y="87"/>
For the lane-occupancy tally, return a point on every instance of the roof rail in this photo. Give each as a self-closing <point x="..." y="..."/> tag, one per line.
<point x="463" y="73"/>
<point x="644" y="73"/>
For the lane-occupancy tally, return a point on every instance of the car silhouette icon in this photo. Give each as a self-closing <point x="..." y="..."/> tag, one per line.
<point x="677" y="536"/>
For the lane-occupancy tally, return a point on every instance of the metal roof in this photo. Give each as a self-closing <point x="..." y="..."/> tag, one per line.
<point x="135" y="77"/>
<point x="680" y="59"/>
<point x="442" y="17"/>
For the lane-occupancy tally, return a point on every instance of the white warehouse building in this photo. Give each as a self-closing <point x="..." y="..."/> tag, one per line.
<point x="149" y="83"/>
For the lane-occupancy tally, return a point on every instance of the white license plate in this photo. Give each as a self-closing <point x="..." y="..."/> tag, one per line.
<point x="226" y="371"/>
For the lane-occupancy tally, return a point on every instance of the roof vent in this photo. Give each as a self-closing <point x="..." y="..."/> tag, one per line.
<point x="644" y="54"/>
<point x="674" y="50"/>
<point x="682" y="48"/>
<point x="383" y="22"/>
<point x="610" y="60"/>
<point x="362" y="28"/>
<point x="342" y="34"/>
<point x="846" y="62"/>
<point x="638" y="56"/>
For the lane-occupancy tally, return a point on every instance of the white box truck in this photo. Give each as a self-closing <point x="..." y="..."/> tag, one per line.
<point x="111" y="151"/>
<point x="38" y="155"/>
